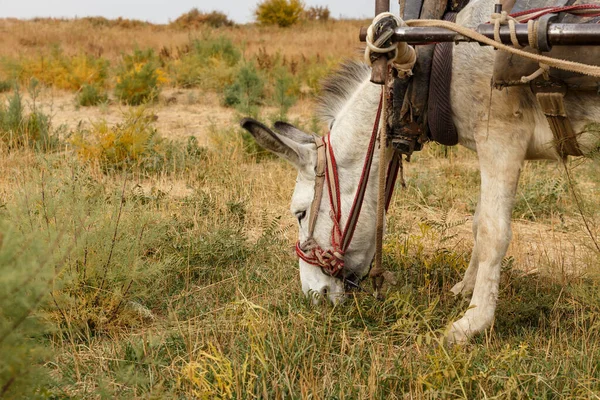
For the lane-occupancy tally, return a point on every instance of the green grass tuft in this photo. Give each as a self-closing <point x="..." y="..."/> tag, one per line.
<point x="20" y="128"/>
<point x="91" y="95"/>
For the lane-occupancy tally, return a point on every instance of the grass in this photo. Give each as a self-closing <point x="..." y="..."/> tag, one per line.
<point x="135" y="264"/>
<point x="20" y="127"/>
<point x="155" y="294"/>
<point x="91" y="95"/>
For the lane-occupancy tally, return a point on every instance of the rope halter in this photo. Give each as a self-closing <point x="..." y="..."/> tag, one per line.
<point x="331" y="260"/>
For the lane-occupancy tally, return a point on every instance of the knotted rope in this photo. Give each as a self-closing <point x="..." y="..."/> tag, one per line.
<point x="504" y="18"/>
<point x="404" y="56"/>
<point x="331" y="260"/>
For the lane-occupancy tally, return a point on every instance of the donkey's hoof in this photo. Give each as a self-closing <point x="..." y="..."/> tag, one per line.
<point x="457" y="289"/>
<point x="460" y="289"/>
<point x="456" y="335"/>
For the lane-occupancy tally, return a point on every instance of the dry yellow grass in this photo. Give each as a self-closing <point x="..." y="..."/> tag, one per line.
<point x="28" y="38"/>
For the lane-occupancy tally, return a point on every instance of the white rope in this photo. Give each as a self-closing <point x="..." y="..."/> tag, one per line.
<point x="532" y="33"/>
<point x="504" y="19"/>
<point x="404" y="57"/>
<point x="544" y="69"/>
<point x="370" y="35"/>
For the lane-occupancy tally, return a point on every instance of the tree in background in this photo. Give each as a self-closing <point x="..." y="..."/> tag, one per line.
<point x="196" y="18"/>
<point x="317" y="13"/>
<point x="279" y="12"/>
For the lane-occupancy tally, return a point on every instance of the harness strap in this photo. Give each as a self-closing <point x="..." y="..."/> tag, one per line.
<point x="334" y="195"/>
<point x="439" y="109"/>
<point x="392" y="175"/>
<point x="362" y="186"/>
<point x="553" y="106"/>
<point x="319" y="183"/>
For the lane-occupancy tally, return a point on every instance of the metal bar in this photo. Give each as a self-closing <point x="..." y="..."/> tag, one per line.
<point x="379" y="71"/>
<point x="574" y="34"/>
<point x="382" y="6"/>
<point x="558" y="34"/>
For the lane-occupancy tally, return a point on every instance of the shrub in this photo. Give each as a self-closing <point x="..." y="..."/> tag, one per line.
<point x="91" y="95"/>
<point x="97" y="22"/>
<point x="126" y="23"/>
<point x="279" y="12"/>
<point x="59" y="70"/>
<point x="21" y="129"/>
<point x="139" y="78"/>
<point x="209" y="64"/>
<point x="313" y="76"/>
<point x="247" y="91"/>
<point x="6" y="86"/>
<point x="195" y="19"/>
<point x="220" y="47"/>
<point x="124" y="145"/>
<point x="134" y="143"/>
<point x="317" y="13"/>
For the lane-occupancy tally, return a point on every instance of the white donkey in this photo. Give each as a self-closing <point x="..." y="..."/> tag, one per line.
<point x="515" y="131"/>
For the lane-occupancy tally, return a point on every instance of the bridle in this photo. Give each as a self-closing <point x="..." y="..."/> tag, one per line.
<point x="332" y="260"/>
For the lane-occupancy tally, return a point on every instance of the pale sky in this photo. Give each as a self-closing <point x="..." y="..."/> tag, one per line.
<point x="162" y="11"/>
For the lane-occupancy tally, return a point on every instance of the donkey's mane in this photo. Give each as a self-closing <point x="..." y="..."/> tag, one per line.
<point x="338" y="87"/>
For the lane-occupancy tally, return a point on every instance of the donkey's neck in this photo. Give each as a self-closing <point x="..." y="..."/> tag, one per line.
<point x="353" y="125"/>
<point x="350" y="136"/>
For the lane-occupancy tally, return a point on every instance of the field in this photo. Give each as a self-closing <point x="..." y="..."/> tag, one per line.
<point x="146" y="246"/>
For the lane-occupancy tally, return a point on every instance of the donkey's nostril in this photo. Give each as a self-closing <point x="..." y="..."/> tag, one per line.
<point x="325" y="290"/>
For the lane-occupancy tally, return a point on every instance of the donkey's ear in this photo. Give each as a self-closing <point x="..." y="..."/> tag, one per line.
<point x="282" y="146"/>
<point x="291" y="132"/>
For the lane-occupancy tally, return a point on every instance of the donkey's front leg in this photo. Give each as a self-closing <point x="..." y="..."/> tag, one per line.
<point x="466" y="286"/>
<point x="500" y="162"/>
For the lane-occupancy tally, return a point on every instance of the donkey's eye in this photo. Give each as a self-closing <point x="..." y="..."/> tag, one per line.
<point x="331" y="124"/>
<point x="300" y="215"/>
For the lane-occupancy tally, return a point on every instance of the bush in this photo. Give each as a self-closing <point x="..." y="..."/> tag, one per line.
<point x="120" y="146"/>
<point x="247" y="91"/>
<point x="279" y="12"/>
<point x="209" y="64"/>
<point x="317" y="13"/>
<point x="91" y="95"/>
<point x="59" y="70"/>
<point x="194" y="19"/>
<point x="134" y="143"/>
<point x="6" y="86"/>
<point x="139" y="78"/>
<point x="97" y="22"/>
<point x="21" y="129"/>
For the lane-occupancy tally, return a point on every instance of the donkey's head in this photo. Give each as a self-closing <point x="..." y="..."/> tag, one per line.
<point x="327" y="268"/>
